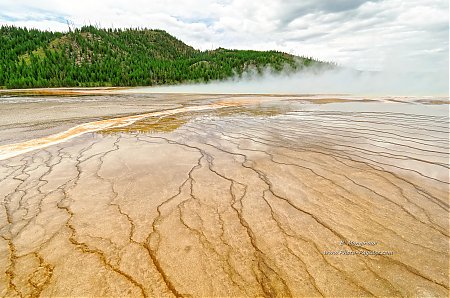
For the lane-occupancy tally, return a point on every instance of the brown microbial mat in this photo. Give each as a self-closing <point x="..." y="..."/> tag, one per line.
<point x="224" y="196"/>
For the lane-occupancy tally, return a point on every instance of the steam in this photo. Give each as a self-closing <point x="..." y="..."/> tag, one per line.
<point x="320" y="80"/>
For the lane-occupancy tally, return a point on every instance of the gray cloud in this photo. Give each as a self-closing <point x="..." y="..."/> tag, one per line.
<point x="293" y="9"/>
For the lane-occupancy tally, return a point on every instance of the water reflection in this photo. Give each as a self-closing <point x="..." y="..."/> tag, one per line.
<point x="171" y="123"/>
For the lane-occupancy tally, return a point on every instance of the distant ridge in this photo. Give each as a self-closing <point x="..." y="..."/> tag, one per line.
<point x="93" y="57"/>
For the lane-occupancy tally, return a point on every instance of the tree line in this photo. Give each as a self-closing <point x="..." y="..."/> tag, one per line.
<point x="93" y="57"/>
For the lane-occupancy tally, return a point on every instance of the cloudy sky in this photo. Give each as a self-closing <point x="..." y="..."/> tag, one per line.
<point x="370" y="35"/>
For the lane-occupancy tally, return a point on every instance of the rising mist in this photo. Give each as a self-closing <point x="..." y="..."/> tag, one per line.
<point x="323" y="81"/>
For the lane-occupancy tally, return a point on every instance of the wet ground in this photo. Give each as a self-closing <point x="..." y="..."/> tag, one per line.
<point x="224" y="195"/>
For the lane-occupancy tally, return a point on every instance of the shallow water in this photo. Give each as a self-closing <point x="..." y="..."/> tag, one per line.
<point x="222" y="195"/>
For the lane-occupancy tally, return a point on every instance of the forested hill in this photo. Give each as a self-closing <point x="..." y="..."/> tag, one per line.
<point x="91" y="57"/>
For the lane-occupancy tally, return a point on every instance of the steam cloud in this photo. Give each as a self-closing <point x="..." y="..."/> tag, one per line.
<point x="324" y="81"/>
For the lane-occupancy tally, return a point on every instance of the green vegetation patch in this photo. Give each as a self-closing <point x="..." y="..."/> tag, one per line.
<point x="93" y="57"/>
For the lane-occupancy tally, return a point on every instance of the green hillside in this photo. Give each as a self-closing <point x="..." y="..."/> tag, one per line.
<point x="91" y="57"/>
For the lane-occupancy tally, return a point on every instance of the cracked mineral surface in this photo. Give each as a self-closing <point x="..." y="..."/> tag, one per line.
<point x="224" y="195"/>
